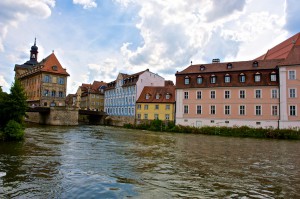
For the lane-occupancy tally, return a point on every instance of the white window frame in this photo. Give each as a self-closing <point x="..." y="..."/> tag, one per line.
<point x="241" y="109"/>
<point x="295" y="94"/>
<point x="260" y="94"/>
<point x="210" y="109"/>
<point x="186" y="95"/>
<point x="184" y="109"/>
<point x="272" y="105"/>
<point x="244" y="94"/>
<point x="227" y="110"/>
<point x="199" y="109"/>
<point x="290" y="75"/>
<point x="227" y="95"/>
<point x="294" y="110"/>
<point x="214" y="95"/>
<point x="198" y="95"/>
<point x="272" y="96"/>
<point x="255" y="113"/>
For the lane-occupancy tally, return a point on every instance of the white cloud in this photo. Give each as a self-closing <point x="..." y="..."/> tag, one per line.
<point x="4" y="84"/>
<point x="86" y="3"/>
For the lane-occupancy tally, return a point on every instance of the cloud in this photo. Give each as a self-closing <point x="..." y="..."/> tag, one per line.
<point x="223" y="8"/>
<point x="86" y="3"/>
<point x="4" y="84"/>
<point x="292" y="11"/>
<point x="13" y="13"/>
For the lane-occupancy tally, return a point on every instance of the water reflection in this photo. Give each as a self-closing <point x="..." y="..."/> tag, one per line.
<point x="107" y="162"/>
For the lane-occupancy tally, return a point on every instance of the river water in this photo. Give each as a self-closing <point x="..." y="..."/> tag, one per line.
<point x="108" y="162"/>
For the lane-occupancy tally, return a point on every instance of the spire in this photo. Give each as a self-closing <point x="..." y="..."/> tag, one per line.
<point x="34" y="52"/>
<point x="35" y="41"/>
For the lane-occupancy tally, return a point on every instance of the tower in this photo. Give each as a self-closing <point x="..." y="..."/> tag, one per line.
<point x="33" y="54"/>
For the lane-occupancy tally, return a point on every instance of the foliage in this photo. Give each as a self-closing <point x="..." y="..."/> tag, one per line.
<point x="12" y="111"/>
<point x="13" y="131"/>
<point x="242" y="131"/>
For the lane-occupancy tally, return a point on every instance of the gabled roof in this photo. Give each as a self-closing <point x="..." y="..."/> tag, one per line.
<point x="235" y="66"/>
<point x="49" y="64"/>
<point x="152" y="91"/>
<point x="282" y="50"/>
<point x="92" y="88"/>
<point x="293" y="57"/>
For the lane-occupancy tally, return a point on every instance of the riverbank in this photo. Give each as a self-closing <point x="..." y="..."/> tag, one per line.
<point x="242" y="131"/>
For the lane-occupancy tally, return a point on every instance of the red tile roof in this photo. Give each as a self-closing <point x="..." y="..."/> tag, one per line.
<point x="236" y="66"/>
<point x="152" y="91"/>
<point x="49" y="64"/>
<point x="282" y="50"/>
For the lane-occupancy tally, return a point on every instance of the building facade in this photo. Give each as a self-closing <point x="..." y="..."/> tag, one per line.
<point x="44" y="82"/>
<point x="257" y="93"/>
<point x="121" y="94"/>
<point x="91" y="96"/>
<point x="156" y="102"/>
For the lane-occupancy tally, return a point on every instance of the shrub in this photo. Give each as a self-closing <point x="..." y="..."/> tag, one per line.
<point x="13" y="131"/>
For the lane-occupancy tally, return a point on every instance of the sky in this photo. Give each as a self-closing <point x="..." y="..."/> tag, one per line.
<point x="97" y="39"/>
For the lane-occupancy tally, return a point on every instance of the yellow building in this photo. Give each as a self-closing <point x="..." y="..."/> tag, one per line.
<point x="45" y="82"/>
<point x="156" y="103"/>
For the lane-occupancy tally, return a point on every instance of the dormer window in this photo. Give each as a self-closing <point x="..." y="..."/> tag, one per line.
<point x="242" y="77"/>
<point x="54" y="68"/>
<point x="186" y="80"/>
<point x="229" y="66"/>
<point x="202" y="67"/>
<point x="168" y="96"/>
<point x="199" y="79"/>
<point x="157" y="96"/>
<point x="257" y="77"/>
<point x="273" y="76"/>
<point x="255" y="64"/>
<point x="147" y="96"/>
<point x="227" y="78"/>
<point x="213" y="79"/>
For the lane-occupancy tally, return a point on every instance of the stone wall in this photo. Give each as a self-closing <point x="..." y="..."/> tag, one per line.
<point x="119" y="120"/>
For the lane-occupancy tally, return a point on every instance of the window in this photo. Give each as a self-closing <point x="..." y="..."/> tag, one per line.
<point x="186" y="80"/>
<point x="257" y="77"/>
<point x="242" y="77"/>
<point x="257" y="94"/>
<point x="292" y="93"/>
<point x="202" y="67"/>
<point x="199" y="80"/>
<point x="292" y="110"/>
<point x="46" y="92"/>
<point x="227" y="110"/>
<point x="227" y="78"/>
<point x="255" y="64"/>
<point x="156" y="106"/>
<point x="156" y="116"/>
<point x="157" y="96"/>
<point x="212" y="109"/>
<point x="53" y="93"/>
<point x="199" y="109"/>
<point x="274" y="110"/>
<point x="273" y="77"/>
<point x="199" y="94"/>
<point x="147" y="96"/>
<point x="242" y="94"/>
<point x="145" y="116"/>
<point x="227" y="94"/>
<point x="146" y="107"/>
<point x="138" y="116"/>
<point x="167" y="117"/>
<point x="292" y="74"/>
<point x="60" y="94"/>
<point x="168" y="96"/>
<point x="229" y="66"/>
<point x="258" y="110"/>
<point x="185" y="109"/>
<point x="61" y="80"/>
<point x="212" y="94"/>
<point x="167" y="107"/>
<point x="186" y="95"/>
<point x="139" y="106"/>
<point x="274" y="93"/>
<point x="242" y="109"/>
<point x="213" y="79"/>
<point x="47" y="79"/>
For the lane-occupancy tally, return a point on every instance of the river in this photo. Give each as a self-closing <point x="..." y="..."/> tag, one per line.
<point x="108" y="162"/>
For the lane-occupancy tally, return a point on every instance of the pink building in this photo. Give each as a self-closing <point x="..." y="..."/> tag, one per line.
<point x="257" y="93"/>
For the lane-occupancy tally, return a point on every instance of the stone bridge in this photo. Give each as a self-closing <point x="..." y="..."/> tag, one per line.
<point x="62" y="116"/>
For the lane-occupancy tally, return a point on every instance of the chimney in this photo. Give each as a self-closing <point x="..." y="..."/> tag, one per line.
<point x="215" y="60"/>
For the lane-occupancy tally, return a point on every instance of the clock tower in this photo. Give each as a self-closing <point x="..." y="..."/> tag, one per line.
<point x="33" y="53"/>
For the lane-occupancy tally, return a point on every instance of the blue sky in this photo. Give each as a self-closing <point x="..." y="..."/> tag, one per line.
<point x="97" y="39"/>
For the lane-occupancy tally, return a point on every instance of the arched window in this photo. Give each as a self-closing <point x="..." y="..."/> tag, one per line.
<point x="255" y="64"/>
<point x="168" y="96"/>
<point x="273" y="77"/>
<point x="157" y="96"/>
<point x="242" y="77"/>
<point x="147" y="96"/>
<point x="199" y="79"/>
<point x="227" y="78"/>
<point x="257" y="77"/>
<point x="213" y="79"/>
<point x="186" y="80"/>
<point x="202" y="67"/>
